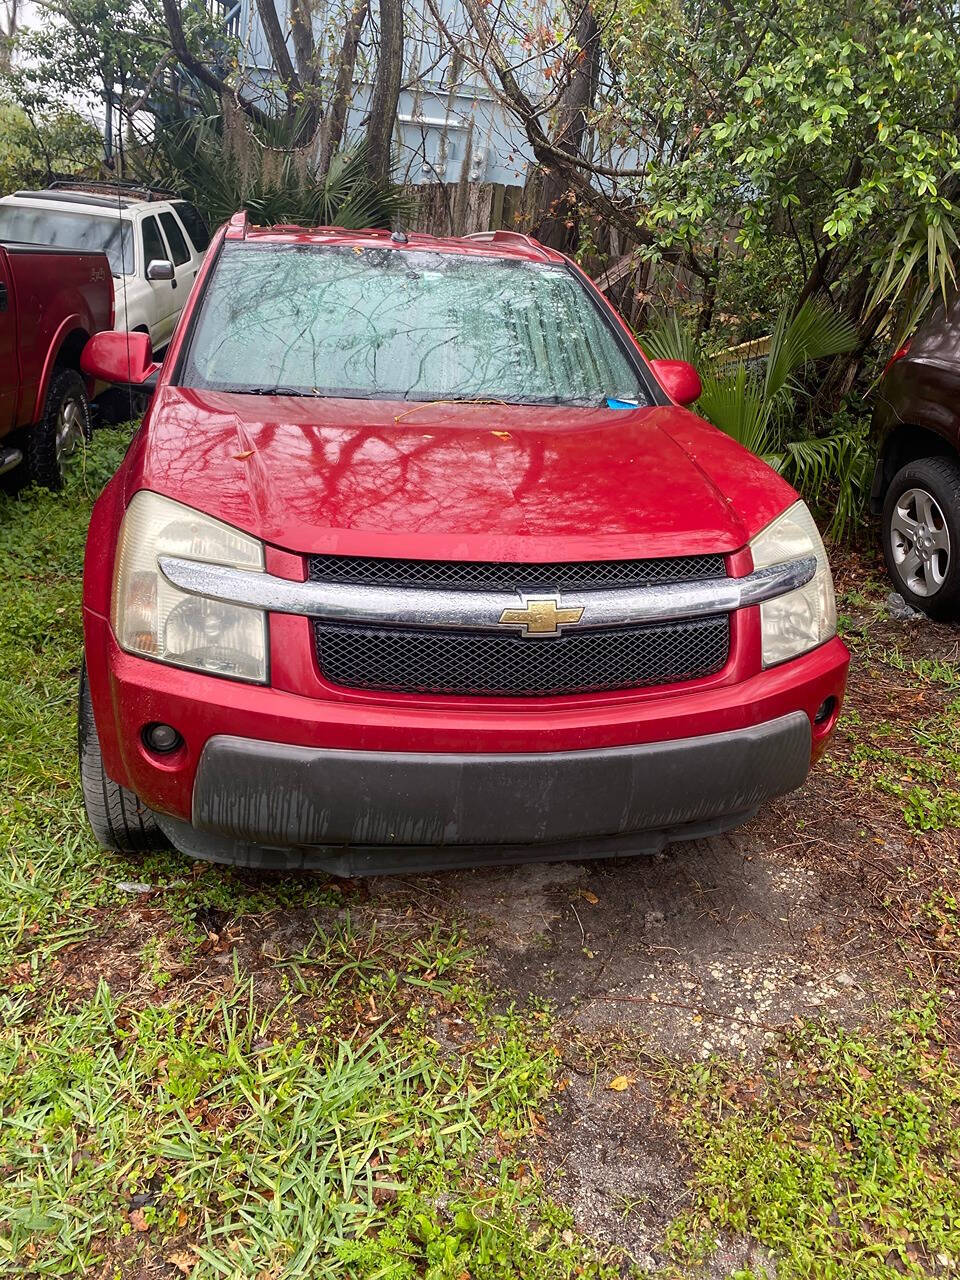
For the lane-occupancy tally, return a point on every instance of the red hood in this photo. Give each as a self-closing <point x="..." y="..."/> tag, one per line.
<point x="457" y="481"/>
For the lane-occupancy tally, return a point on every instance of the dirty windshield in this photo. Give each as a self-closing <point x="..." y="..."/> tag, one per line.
<point x="398" y="324"/>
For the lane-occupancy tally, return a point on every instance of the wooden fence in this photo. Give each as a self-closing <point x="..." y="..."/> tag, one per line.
<point x="457" y="208"/>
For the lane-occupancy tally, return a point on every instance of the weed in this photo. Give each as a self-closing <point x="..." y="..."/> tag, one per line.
<point x="843" y="1157"/>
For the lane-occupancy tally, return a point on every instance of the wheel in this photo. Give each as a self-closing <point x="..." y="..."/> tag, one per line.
<point x="120" y="819"/>
<point x="921" y="535"/>
<point x="65" y="422"/>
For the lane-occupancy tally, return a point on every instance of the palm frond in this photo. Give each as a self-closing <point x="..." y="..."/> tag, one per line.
<point x="814" y="331"/>
<point x="671" y="338"/>
<point x="737" y="406"/>
<point x="837" y="468"/>
<point x="224" y="164"/>
<point x="939" y="244"/>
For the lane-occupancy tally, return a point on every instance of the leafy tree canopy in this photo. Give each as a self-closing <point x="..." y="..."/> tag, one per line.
<point x="831" y="128"/>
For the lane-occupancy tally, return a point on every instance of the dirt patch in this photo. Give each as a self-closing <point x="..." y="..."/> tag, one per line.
<point x="712" y="945"/>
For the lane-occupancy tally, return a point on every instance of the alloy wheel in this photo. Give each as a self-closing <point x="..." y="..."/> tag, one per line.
<point x="69" y="428"/>
<point x="920" y="542"/>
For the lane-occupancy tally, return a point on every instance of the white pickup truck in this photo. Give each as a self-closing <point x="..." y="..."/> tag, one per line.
<point x="154" y="245"/>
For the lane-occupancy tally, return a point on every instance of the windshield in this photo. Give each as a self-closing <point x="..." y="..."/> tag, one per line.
<point x="70" y="231"/>
<point x="397" y="324"/>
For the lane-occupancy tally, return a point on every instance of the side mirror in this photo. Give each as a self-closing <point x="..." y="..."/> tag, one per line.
<point x="679" y="380"/>
<point x="125" y="359"/>
<point x="160" y="269"/>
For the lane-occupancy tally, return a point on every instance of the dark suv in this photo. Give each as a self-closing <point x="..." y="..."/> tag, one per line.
<point x="916" y="488"/>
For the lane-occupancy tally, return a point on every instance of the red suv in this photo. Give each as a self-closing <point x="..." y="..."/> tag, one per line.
<point x="416" y="560"/>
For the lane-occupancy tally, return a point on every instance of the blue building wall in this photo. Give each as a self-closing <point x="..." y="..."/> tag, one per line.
<point x="449" y="126"/>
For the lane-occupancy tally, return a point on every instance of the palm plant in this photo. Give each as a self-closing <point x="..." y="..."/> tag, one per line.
<point x="223" y="162"/>
<point x="755" y="404"/>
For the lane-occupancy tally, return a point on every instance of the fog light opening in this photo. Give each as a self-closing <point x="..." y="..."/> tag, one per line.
<point x="161" y="738"/>
<point x="825" y="711"/>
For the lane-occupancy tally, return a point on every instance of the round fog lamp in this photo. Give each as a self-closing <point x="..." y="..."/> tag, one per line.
<point x="825" y="710"/>
<point x="162" y="738"/>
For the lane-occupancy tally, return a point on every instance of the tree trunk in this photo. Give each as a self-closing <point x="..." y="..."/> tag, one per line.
<point x="279" y="52"/>
<point x="556" y="220"/>
<point x="336" y="117"/>
<point x="386" y="91"/>
<point x="8" y="30"/>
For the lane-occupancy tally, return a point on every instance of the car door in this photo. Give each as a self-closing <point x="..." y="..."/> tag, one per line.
<point x="197" y="232"/>
<point x="184" y="267"/>
<point x="9" y="368"/>
<point x="163" y="293"/>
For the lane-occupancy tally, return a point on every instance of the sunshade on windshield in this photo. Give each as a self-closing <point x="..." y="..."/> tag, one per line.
<point x="407" y="324"/>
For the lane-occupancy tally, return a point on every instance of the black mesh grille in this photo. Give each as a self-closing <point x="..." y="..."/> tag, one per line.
<point x="471" y="575"/>
<point x="462" y="662"/>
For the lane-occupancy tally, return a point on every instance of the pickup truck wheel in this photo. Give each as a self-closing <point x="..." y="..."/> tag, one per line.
<point x="65" y="423"/>
<point x="120" y="819"/>
<point x="921" y="535"/>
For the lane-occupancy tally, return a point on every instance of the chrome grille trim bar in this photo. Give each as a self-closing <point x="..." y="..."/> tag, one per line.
<point x="481" y="610"/>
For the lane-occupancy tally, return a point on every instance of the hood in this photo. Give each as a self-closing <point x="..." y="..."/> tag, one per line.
<point x="456" y="481"/>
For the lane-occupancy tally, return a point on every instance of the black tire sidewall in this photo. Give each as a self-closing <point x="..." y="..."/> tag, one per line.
<point x="118" y="818"/>
<point x="940" y="477"/>
<point x="41" y="439"/>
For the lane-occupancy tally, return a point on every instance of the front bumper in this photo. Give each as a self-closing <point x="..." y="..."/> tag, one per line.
<point x="355" y="812"/>
<point x="300" y="773"/>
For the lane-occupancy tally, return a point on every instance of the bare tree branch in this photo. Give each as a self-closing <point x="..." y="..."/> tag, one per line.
<point x="203" y="73"/>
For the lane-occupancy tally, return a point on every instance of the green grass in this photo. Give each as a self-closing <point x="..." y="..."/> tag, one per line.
<point x="267" y="1077"/>
<point x="918" y="764"/>
<point x="343" y="1099"/>
<point x="256" y="1139"/>
<point x="842" y="1157"/>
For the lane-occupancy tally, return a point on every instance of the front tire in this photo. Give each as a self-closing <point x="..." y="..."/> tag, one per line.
<point x="64" y="425"/>
<point x="921" y="535"/>
<point x="120" y="820"/>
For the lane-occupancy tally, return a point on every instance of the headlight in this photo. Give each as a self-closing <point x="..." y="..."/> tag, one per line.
<point x="152" y="617"/>
<point x="806" y="617"/>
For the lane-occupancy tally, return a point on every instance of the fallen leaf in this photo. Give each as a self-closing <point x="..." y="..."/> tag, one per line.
<point x="247" y="453"/>
<point x="138" y="1220"/>
<point x="619" y="1083"/>
<point x="184" y="1262"/>
<point x="501" y="435"/>
<point x="590" y="897"/>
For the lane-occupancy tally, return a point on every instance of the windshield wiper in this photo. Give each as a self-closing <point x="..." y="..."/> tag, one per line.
<point x="271" y="391"/>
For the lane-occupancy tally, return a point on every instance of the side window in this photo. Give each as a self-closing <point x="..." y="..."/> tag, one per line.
<point x="196" y="227"/>
<point x="153" y="246"/>
<point x="178" y="246"/>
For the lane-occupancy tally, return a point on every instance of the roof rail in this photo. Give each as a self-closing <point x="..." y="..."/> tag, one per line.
<point x="109" y="186"/>
<point x="502" y="236"/>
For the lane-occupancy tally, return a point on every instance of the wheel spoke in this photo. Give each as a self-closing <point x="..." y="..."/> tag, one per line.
<point x="927" y="509"/>
<point x="940" y="539"/>
<point x="904" y="524"/>
<point x="910" y="565"/>
<point x="936" y="568"/>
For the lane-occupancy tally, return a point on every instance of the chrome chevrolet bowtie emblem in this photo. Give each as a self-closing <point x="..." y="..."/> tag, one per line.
<point x="544" y="617"/>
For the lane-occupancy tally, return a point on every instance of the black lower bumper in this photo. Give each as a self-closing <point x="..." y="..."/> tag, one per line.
<point x="362" y="812"/>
